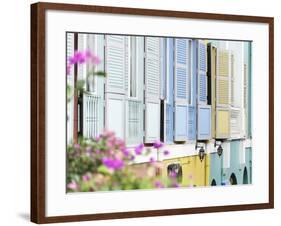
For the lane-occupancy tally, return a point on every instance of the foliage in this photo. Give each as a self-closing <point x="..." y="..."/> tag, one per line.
<point x="104" y="164"/>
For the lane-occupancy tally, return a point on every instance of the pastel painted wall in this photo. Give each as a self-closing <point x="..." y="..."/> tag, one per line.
<point x="215" y="169"/>
<point x="195" y="172"/>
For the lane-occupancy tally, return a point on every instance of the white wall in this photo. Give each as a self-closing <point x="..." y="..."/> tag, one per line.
<point x="15" y="114"/>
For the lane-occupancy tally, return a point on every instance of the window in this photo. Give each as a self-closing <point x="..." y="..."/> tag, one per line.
<point x="132" y="64"/>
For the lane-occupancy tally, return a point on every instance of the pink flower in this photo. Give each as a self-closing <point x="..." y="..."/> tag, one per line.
<point x="175" y="185"/>
<point x="68" y="69"/>
<point x="73" y="185"/>
<point x="115" y="164"/>
<point x="125" y="151"/>
<point x="158" y="144"/>
<point x="152" y="160"/>
<point x="158" y="184"/>
<point x="172" y="174"/>
<point x="120" y="143"/>
<point x="166" y="152"/>
<point x="138" y="149"/>
<point x="86" y="177"/>
<point x="76" y="146"/>
<point x="78" y="57"/>
<point x="108" y="134"/>
<point x="95" y="60"/>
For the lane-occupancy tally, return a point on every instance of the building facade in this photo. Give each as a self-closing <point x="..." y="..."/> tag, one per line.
<point x="193" y="95"/>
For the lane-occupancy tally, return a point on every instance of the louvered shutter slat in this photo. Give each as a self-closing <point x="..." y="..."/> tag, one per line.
<point x="115" y="84"/>
<point x="152" y="89"/>
<point x="181" y="89"/>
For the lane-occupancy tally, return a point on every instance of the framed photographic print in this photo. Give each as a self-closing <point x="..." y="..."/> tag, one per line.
<point x="141" y="112"/>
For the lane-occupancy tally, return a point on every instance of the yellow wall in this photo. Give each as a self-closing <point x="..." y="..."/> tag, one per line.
<point x="194" y="172"/>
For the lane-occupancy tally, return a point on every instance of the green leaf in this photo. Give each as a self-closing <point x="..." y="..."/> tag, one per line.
<point x="100" y="73"/>
<point x="102" y="169"/>
<point x="80" y="84"/>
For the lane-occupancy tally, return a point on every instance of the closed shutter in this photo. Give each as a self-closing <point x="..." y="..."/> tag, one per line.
<point x="181" y="89"/>
<point x="115" y="84"/>
<point x="152" y="89"/>
<point x="204" y="110"/>
<point x="70" y="82"/>
<point x="169" y="103"/>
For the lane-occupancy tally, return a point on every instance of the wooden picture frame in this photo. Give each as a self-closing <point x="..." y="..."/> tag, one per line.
<point x="38" y="110"/>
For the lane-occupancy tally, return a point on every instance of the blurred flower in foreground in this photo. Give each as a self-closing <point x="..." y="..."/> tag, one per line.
<point x="72" y="185"/>
<point x="138" y="149"/>
<point x="158" y="144"/>
<point x="115" y="164"/>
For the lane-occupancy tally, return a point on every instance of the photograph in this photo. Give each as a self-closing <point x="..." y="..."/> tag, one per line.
<point x="156" y="112"/>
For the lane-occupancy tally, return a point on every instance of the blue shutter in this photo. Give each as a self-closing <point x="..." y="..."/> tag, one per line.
<point x="204" y="110"/>
<point x="170" y="91"/>
<point x="152" y="89"/>
<point x="115" y="84"/>
<point x="181" y="89"/>
<point x="192" y="108"/>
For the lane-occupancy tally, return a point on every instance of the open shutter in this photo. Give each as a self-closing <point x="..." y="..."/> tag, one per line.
<point x="212" y="74"/>
<point x="192" y="107"/>
<point x="152" y="89"/>
<point x="222" y="97"/>
<point x="134" y="105"/>
<point x="204" y="110"/>
<point x="115" y="84"/>
<point x="93" y="110"/>
<point x="181" y="89"/>
<point x="70" y="82"/>
<point x="170" y="91"/>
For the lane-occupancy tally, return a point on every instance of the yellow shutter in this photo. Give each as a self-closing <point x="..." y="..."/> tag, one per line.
<point x="222" y="123"/>
<point x="223" y="78"/>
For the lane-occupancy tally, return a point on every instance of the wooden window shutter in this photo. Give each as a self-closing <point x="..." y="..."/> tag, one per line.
<point x="115" y="84"/>
<point x="181" y="89"/>
<point x="134" y="104"/>
<point x="152" y="89"/>
<point x="204" y="110"/>
<point x="170" y="91"/>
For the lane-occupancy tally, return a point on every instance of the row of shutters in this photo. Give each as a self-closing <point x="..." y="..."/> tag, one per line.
<point x="138" y="120"/>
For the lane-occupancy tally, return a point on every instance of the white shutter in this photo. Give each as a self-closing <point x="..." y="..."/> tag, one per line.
<point x="134" y="105"/>
<point x="235" y="122"/>
<point x="93" y="109"/>
<point x="115" y="64"/>
<point x="152" y="89"/>
<point x="181" y="89"/>
<point x="70" y="81"/>
<point x="115" y="84"/>
<point x="204" y="110"/>
<point x="202" y="72"/>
